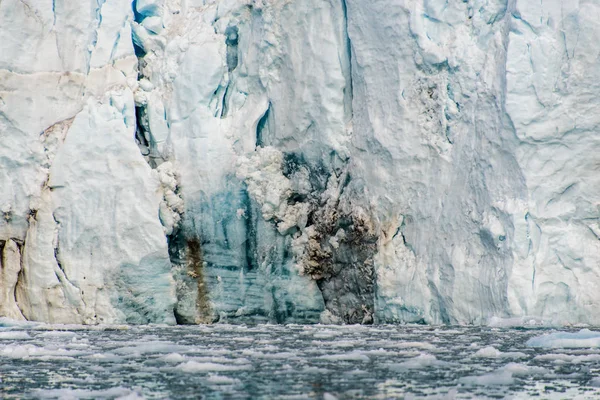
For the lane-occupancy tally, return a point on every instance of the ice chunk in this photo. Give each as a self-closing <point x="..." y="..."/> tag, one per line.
<point x="491" y="352"/>
<point x="503" y="376"/>
<point x="14" y="335"/>
<point x="222" y="380"/>
<point x="173" y="358"/>
<point x="569" y="358"/>
<point x="112" y="393"/>
<point x="585" y="338"/>
<point x="195" y="367"/>
<point x="421" y="361"/>
<point x="352" y="356"/>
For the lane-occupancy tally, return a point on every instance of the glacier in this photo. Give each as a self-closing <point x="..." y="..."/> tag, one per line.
<point x="334" y="161"/>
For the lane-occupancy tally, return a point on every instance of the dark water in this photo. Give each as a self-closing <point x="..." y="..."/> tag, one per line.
<point x="294" y="362"/>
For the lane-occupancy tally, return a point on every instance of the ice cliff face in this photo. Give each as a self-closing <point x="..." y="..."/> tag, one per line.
<point x="299" y="161"/>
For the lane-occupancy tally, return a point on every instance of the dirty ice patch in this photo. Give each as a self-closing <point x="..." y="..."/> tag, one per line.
<point x="567" y="340"/>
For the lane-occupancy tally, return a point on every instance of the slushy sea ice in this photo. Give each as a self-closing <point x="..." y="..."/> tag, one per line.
<point x="266" y="361"/>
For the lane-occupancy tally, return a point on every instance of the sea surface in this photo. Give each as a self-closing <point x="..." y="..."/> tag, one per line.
<point x="296" y="362"/>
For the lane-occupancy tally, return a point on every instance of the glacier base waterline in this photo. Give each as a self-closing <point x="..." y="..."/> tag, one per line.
<point x="337" y="161"/>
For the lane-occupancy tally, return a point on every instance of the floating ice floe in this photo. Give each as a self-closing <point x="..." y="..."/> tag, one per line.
<point x="585" y="338"/>
<point x="492" y="352"/>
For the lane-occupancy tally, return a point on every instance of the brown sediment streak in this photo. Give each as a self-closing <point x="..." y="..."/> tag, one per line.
<point x="195" y="267"/>
<point x="346" y="269"/>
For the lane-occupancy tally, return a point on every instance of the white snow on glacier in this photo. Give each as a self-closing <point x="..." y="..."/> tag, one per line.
<point x="338" y="161"/>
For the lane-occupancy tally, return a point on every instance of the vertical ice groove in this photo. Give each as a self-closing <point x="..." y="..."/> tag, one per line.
<point x="19" y="310"/>
<point x="61" y="274"/>
<point x="2" y="244"/>
<point x="115" y="46"/>
<point x="53" y="13"/>
<point x="262" y="126"/>
<point x="349" y="89"/>
<point x="251" y="250"/>
<point x="185" y="254"/>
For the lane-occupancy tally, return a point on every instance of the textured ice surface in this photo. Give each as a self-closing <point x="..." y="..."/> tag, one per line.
<point x="582" y="339"/>
<point x="79" y="233"/>
<point x="300" y="161"/>
<point x="293" y="361"/>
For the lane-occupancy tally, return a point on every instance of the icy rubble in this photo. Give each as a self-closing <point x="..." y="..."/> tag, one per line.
<point x="336" y="161"/>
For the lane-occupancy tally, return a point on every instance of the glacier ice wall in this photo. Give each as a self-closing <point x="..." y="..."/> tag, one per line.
<point x="299" y="161"/>
<point x="79" y="230"/>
